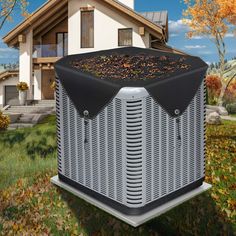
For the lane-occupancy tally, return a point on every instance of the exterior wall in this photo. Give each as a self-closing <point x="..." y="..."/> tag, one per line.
<point x="106" y="25"/>
<point x="10" y="81"/>
<point x="129" y="3"/>
<point x="26" y="64"/>
<point x="50" y="37"/>
<point x="37" y="84"/>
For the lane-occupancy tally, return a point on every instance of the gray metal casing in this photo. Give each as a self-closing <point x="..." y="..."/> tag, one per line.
<point x="133" y="155"/>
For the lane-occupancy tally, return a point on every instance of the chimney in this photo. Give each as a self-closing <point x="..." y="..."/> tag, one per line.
<point x="128" y="3"/>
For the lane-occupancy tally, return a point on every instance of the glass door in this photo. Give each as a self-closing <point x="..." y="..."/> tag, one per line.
<point x="62" y="44"/>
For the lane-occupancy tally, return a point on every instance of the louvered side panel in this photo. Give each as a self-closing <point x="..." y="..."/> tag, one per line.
<point x="163" y="156"/>
<point x="72" y="141"/>
<point x="65" y="128"/>
<point x="60" y="139"/>
<point x="110" y="149"/>
<point x="134" y="152"/>
<point x="203" y="118"/>
<point x="80" y="149"/>
<point x="171" y="153"/>
<point x="176" y="162"/>
<point x="149" y="149"/>
<point x="156" y="181"/>
<point x="119" y="157"/>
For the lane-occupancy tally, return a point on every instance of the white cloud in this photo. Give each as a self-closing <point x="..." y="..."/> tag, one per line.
<point x="176" y="27"/>
<point x="205" y="52"/>
<point x="174" y="35"/>
<point x="8" y="53"/>
<point x="197" y="37"/>
<point x="230" y="35"/>
<point x="195" y="46"/>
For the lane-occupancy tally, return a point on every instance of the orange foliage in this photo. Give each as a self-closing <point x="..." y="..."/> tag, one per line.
<point x="230" y="93"/>
<point x="9" y="7"/>
<point x="213" y="84"/>
<point x="210" y="17"/>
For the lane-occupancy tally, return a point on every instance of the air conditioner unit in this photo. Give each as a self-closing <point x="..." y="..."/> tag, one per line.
<point x="131" y="145"/>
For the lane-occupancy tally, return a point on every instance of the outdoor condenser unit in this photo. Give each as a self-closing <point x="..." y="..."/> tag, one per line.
<point x="131" y="142"/>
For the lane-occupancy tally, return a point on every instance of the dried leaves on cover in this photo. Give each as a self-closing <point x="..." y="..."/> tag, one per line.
<point x="131" y="67"/>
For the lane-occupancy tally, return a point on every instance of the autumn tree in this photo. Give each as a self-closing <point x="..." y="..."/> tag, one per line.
<point x="212" y="18"/>
<point x="9" y="7"/>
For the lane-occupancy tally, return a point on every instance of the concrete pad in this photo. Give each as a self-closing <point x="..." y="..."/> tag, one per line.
<point x="135" y="221"/>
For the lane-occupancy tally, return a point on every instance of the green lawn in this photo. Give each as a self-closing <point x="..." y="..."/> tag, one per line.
<point x="30" y="204"/>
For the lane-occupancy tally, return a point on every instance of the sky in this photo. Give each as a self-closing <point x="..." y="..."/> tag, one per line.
<point x="198" y="46"/>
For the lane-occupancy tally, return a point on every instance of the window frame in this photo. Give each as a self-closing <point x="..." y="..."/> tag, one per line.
<point x="81" y="23"/>
<point x="63" y="42"/>
<point x="121" y="45"/>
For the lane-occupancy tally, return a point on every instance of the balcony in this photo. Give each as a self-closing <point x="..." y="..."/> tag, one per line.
<point x="44" y="56"/>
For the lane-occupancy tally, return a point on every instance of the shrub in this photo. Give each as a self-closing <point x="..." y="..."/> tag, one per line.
<point x="213" y="85"/>
<point x="22" y="86"/>
<point x="231" y="108"/>
<point x="230" y="93"/>
<point x="4" y="121"/>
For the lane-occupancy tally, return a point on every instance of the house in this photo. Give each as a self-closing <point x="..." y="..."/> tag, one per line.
<point x="62" y="27"/>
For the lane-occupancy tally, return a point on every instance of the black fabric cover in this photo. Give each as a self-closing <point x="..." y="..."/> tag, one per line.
<point x="172" y="92"/>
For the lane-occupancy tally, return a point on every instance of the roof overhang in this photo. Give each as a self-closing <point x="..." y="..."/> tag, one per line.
<point x="37" y="18"/>
<point x="52" y="7"/>
<point x="8" y="74"/>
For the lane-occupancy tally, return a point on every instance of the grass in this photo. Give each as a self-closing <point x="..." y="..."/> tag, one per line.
<point x="30" y="204"/>
<point x="22" y="151"/>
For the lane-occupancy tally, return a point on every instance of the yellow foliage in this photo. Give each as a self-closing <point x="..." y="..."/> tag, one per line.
<point x="22" y="86"/>
<point x="4" y="121"/>
<point x="210" y="17"/>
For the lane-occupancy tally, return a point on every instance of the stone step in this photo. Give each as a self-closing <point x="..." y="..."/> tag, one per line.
<point x="26" y="118"/>
<point x="29" y="109"/>
<point x="31" y="118"/>
<point x="45" y="102"/>
<point x="19" y="125"/>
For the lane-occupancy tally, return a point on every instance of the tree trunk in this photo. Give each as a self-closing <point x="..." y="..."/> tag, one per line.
<point x="221" y="50"/>
<point x="222" y="93"/>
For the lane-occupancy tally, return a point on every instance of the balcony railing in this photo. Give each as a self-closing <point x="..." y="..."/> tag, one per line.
<point x="49" y="50"/>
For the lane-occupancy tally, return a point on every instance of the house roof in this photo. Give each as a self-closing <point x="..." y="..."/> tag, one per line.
<point x="52" y="7"/>
<point x="8" y="74"/>
<point x="158" y="17"/>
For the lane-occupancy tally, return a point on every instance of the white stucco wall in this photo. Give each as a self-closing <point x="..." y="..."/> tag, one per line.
<point x="10" y="81"/>
<point x="106" y="25"/>
<point x="37" y="84"/>
<point x="25" y="62"/>
<point x="129" y="3"/>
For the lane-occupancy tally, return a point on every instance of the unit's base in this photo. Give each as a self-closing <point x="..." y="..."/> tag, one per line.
<point x="129" y="219"/>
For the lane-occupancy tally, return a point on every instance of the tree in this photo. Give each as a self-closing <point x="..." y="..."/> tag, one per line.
<point x="8" y="7"/>
<point x="212" y="18"/>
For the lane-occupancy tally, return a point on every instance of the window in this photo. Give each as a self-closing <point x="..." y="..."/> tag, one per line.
<point x="87" y="29"/>
<point x="125" y="37"/>
<point x="62" y="44"/>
